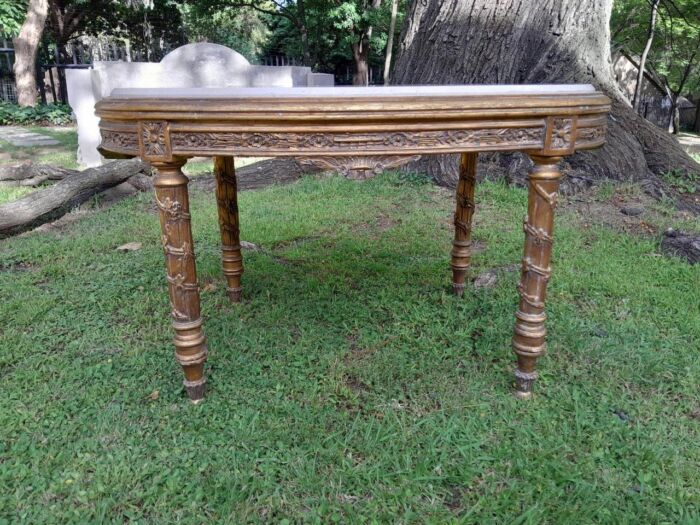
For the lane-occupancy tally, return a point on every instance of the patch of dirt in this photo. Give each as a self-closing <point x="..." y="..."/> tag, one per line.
<point x="356" y="384"/>
<point x="628" y="209"/>
<point x="19" y="266"/>
<point x="384" y="222"/>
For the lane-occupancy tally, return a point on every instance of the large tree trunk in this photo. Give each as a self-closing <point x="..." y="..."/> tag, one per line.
<point x="533" y="42"/>
<point x="26" y="45"/>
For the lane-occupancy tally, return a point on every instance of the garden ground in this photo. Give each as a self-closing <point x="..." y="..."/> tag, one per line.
<point x="350" y="386"/>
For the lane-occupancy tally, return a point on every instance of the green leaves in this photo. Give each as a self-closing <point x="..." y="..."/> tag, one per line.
<point x="11" y="16"/>
<point x="675" y="52"/>
<point x="54" y="114"/>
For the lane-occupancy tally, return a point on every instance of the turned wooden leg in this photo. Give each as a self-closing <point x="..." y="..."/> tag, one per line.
<point x="529" y="333"/>
<point x="461" y="251"/>
<point x="190" y="343"/>
<point x="226" y="197"/>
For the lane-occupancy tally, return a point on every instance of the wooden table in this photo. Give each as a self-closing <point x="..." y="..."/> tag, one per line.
<point x="370" y="128"/>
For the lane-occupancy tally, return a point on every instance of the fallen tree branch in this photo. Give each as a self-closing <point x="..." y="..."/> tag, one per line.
<point x="30" y="174"/>
<point x="76" y="187"/>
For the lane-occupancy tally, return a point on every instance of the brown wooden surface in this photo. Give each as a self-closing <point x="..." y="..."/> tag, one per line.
<point x="529" y="333"/>
<point x="166" y="132"/>
<point x="348" y="126"/>
<point x="462" y="244"/>
<point x="174" y="208"/>
<point x="227" y="202"/>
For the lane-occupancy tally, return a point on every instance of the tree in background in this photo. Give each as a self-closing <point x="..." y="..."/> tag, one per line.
<point x="666" y="35"/>
<point x="679" y="55"/>
<point x="364" y="27"/>
<point x="245" y="30"/>
<point x="323" y="32"/>
<point x="541" y="41"/>
<point x="26" y="44"/>
<point x="144" y="24"/>
<point x="293" y="13"/>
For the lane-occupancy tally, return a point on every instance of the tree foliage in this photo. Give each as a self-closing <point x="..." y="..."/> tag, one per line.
<point x="11" y="17"/>
<point x="675" y="51"/>
<point x="244" y="30"/>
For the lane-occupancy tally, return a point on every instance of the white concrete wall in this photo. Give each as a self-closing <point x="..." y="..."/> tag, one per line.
<point x="193" y="65"/>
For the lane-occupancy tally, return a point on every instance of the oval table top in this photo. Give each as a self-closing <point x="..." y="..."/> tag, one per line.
<point x="158" y="124"/>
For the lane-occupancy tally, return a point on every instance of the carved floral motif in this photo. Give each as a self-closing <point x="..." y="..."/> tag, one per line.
<point x="153" y="136"/>
<point x="561" y="133"/>
<point x="373" y="141"/>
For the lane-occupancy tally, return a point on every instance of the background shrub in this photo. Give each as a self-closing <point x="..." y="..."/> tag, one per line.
<point x="46" y="114"/>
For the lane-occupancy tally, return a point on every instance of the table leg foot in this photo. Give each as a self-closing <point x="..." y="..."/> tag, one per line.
<point x="234" y="294"/>
<point x="524" y="382"/>
<point x="227" y="201"/>
<point x="529" y="332"/>
<point x="461" y="250"/>
<point x="195" y="389"/>
<point x="458" y="289"/>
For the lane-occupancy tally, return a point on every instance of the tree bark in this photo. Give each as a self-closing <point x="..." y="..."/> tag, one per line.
<point x="360" y="51"/>
<point x="303" y="32"/>
<point x="26" y="45"/>
<point x="643" y="60"/>
<point x="390" y="42"/>
<point x="30" y="174"/>
<point x="674" y="118"/>
<point x="360" y="54"/>
<point x="532" y="42"/>
<point x="51" y="203"/>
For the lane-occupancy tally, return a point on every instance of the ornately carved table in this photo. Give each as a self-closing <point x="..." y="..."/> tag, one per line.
<point x="372" y="126"/>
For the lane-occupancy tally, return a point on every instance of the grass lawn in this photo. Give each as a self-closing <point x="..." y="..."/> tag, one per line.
<point x="349" y="386"/>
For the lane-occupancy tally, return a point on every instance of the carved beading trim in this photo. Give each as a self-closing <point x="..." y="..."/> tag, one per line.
<point x="189" y="142"/>
<point x="119" y="141"/>
<point x="154" y="137"/>
<point x="193" y="359"/>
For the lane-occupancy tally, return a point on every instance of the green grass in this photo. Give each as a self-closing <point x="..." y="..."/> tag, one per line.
<point x="63" y="154"/>
<point x="349" y="386"/>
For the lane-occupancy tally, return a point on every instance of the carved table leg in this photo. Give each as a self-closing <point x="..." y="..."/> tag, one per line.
<point x="529" y="333"/>
<point x="461" y="251"/>
<point x="190" y="342"/>
<point x="226" y="197"/>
